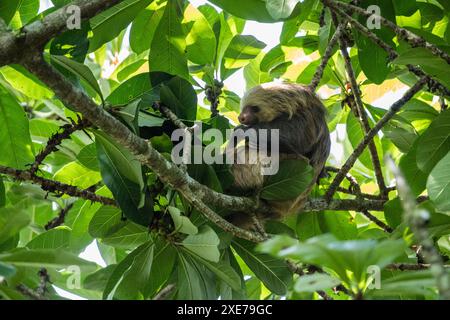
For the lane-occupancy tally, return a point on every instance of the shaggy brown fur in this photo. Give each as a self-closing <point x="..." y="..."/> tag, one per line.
<point x="300" y="117"/>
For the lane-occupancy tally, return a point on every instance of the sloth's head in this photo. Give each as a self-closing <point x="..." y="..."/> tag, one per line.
<point x="268" y="101"/>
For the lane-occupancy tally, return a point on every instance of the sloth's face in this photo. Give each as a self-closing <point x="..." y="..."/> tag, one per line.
<point x="249" y="115"/>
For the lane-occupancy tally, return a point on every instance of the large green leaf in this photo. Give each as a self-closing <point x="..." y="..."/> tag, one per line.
<point x="130" y="90"/>
<point x="79" y="70"/>
<point x="339" y="256"/>
<point x="45" y="258"/>
<point x="179" y="95"/>
<point x="430" y="63"/>
<point x="434" y="143"/>
<point x="52" y="239"/>
<point x="131" y="275"/>
<point x="77" y="175"/>
<point x="195" y="282"/>
<point x="372" y="58"/>
<point x="163" y="263"/>
<point x="314" y="282"/>
<point x="280" y="9"/>
<point x="122" y="173"/>
<point x="438" y="184"/>
<point x="25" y="82"/>
<point x="182" y="223"/>
<point x="416" y="178"/>
<point x="204" y="244"/>
<point x="11" y="222"/>
<point x="17" y="13"/>
<point x="144" y="28"/>
<point x="292" y="178"/>
<point x="223" y="271"/>
<point x="108" y="24"/>
<point x="200" y="38"/>
<point x="240" y="51"/>
<point x="274" y="273"/>
<point x="248" y="9"/>
<point x="167" y="51"/>
<point x="15" y="141"/>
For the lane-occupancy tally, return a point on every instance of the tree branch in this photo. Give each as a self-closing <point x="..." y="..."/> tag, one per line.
<point x="403" y="34"/>
<point x="369" y="136"/>
<point x="326" y="57"/>
<point x="361" y="110"/>
<point x="55" y="186"/>
<point x="38" y="33"/>
<point x="433" y="84"/>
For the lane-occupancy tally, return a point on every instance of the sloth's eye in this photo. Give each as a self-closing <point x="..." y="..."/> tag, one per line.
<point x="254" y="109"/>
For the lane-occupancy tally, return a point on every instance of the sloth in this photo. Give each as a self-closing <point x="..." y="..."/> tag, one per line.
<point x="300" y="117"/>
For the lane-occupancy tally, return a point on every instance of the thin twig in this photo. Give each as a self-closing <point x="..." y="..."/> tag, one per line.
<point x="55" y="186"/>
<point x="361" y="110"/>
<point x="56" y="140"/>
<point x="402" y="33"/>
<point x="325" y="58"/>
<point x="434" y="85"/>
<point x="59" y="220"/>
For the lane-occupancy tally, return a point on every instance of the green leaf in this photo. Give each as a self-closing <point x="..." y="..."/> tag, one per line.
<point x="15" y="140"/>
<point x="355" y="136"/>
<point x="182" y="223"/>
<point x="79" y="70"/>
<point x="163" y="263"/>
<point x="434" y="143"/>
<point x="223" y="271"/>
<point x="127" y="237"/>
<point x="179" y="95"/>
<point x="167" y="51"/>
<point x="22" y="11"/>
<point x="253" y="74"/>
<point x="108" y="24"/>
<point x="204" y="244"/>
<point x="25" y="82"/>
<point x="132" y="274"/>
<point x="45" y="258"/>
<point x="293" y="177"/>
<point x="280" y="9"/>
<point x="122" y="173"/>
<point x="106" y="221"/>
<point x="248" y="9"/>
<point x="6" y="270"/>
<point x="195" y="282"/>
<point x="88" y="157"/>
<point x="438" y="184"/>
<point x="274" y="273"/>
<point x="144" y="28"/>
<point x="11" y="222"/>
<point x="315" y="282"/>
<point x="200" y="38"/>
<point x="415" y="177"/>
<point x="240" y="51"/>
<point x="130" y="90"/>
<point x="77" y="175"/>
<point x="57" y="238"/>
<point x="430" y="63"/>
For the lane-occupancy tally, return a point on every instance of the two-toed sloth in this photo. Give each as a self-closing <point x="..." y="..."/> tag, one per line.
<point x="300" y="117"/>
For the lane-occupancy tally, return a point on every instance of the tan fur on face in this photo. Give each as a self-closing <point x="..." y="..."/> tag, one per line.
<point x="274" y="99"/>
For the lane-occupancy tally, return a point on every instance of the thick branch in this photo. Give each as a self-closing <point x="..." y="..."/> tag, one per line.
<point x="404" y="34"/>
<point x="361" y="110"/>
<point x="369" y="136"/>
<point x="38" y="33"/>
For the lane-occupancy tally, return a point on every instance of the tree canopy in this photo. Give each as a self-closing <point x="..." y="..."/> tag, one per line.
<point x="91" y="90"/>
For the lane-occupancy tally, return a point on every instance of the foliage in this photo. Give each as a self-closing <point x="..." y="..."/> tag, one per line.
<point x="144" y="51"/>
